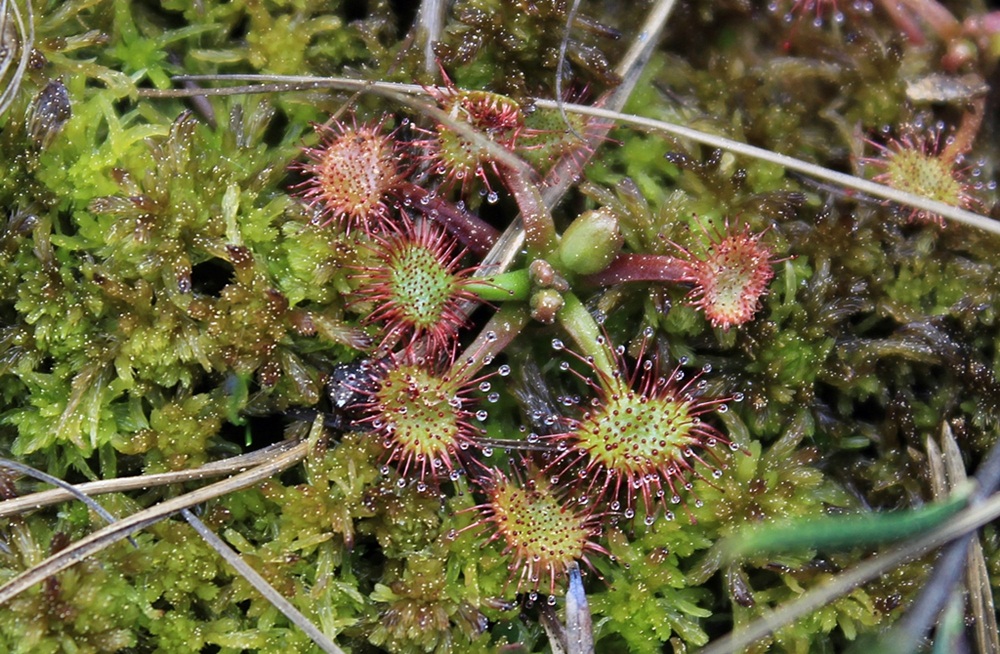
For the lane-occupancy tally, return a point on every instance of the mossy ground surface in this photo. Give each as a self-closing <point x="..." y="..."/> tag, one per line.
<point x="165" y="301"/>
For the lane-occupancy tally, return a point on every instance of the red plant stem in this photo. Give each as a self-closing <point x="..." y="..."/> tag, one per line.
<point x="539" y="228"/>
<point x="906" y="24"/>
<point x="468" y="228"/>
<point x="642" y="268"/>
<point x="964" y="138"/>
<point x="936" y="16"/>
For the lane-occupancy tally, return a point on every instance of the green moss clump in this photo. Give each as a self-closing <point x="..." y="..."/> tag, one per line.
<point x="166" y="301"/>
<point x="92" y="607"/>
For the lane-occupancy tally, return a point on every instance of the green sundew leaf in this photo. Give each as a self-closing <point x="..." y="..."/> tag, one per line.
<point x="843" y="532"/>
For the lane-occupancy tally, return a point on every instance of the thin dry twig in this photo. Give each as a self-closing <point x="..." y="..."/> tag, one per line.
<point x="280" y="83"/>
<point x="257" y="581"/>
<point x="977" y="577"/>
<point x="565" y="171"/>
<point x="45" y="498"/>
<point x="17" y="40"/>
<point x="848" y="181"/>
<point x="969" y="519"/>
<point x="923" y="612"/>
<point x="948" y="471"/>
<point x="103" y="538"/>
<point x="65" y="487"/>
<point x="430" y="22"/>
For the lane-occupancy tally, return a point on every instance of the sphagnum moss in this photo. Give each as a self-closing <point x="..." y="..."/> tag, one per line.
<point x="161" y="283"/>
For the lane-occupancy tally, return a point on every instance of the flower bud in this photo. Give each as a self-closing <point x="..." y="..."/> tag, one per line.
<point x="590" y="243"/>
<point x="545" y="304"/>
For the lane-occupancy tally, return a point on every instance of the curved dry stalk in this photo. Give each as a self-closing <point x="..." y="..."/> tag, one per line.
<point x="967" y="520"/>
<point x="65" y="487"/>
<point x="812" y="170"/>
<point x="257" y="581"/>
<point x="403" y="94"/>
<point x="947" y="471"/>
<point x="848" y="181"/>
<point x="103" y="538"/>
<point x="953" y="562"/>
<point x="41" y="499"/>
<point x="17" y="39"/>
<point x="430" y="22"/>
<point x="566" y="171"/>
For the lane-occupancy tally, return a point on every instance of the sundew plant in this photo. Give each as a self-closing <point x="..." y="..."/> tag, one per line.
<point x="498" y="326"/>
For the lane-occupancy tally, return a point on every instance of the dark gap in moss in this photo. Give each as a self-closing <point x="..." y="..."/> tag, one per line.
<point x="868" y="410"/>
<point x="369" y="560"/>
<point x="163" y="16"/>
<point x="872" y="326"/>
<point x="130" y="465"/>
<point x="927" y="381"/>
<point x="288" y="478"/>
<point x="276" y="130"/>
<point x="211" y="276"/>
<point x="767" y="577"/>
<point x="123" y="105"/>
<point x="238" y="435"/>
<point x="239" y="29"/>
<point x="65" y="225"/>
<point x="211" y="649"/>
<point x="831" y="408"/>
<point x="360" y="9"/>
<point x="405" y="12"/>
<point x="264" y="430"/>
<point x="44" y="366"/>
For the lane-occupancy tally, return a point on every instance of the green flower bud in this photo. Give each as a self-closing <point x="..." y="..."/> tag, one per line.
<point x="590" y="243"/>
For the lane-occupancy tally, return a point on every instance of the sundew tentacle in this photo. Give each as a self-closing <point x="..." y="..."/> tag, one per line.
<point x="351" y="175"/>
<point x="422" y="414"/>
<point x="459" y="159"/>
<point x="416" y="283"/>
<point x="730" y="273"/>
<point x="920" y="162"/>
<point x="542" y="531"/>
<point x="643" y="437"/>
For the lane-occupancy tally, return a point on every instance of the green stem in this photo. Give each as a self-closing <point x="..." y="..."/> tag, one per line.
<point x="496" y="335"/>
<point x="512" y="285"/>
<point x="587" y="334"/>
